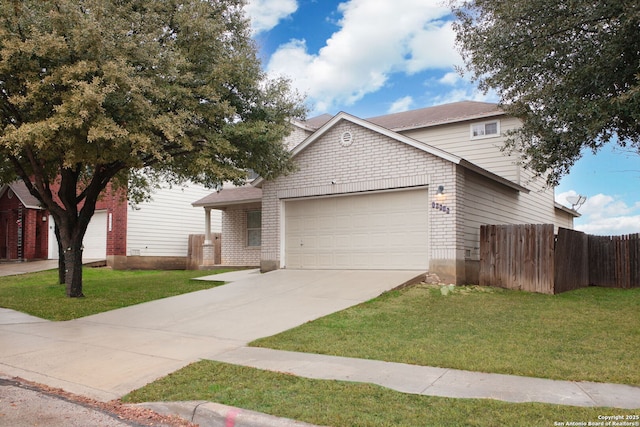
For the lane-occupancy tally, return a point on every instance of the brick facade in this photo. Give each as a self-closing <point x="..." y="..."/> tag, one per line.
<point x="23" y="230"/>
<point x="116" y="206"/>
<point x="429" y="149"/>
<point x="235" y="250"/>
<point x="373" y="161"/>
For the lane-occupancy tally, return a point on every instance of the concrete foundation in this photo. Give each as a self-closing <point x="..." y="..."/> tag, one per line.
<point x="119" y="262"/>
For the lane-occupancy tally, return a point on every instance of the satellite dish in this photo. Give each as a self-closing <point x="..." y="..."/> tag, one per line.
<point x="576" y="201"/>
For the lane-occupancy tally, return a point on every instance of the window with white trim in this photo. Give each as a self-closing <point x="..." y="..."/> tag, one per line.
<point x="254" y="228"/>
<point x="485" y="129"/>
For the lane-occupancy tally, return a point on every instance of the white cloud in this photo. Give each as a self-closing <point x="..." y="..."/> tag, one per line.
<point x="450" y="79"/>
<point x="266" y="14"/>
<point x="375" y="40"/>
<point x="605" y="215"/>
<point x="613" y="226"/>
<point x="433" y="47"/>
<point x="400" y="105"/>
<point x="464" y="91"/>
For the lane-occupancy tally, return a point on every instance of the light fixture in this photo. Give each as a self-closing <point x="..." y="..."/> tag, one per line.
<point x="440" y="189"/>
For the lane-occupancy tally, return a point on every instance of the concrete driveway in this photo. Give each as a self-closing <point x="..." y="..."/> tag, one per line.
<point x="108" y="355"/>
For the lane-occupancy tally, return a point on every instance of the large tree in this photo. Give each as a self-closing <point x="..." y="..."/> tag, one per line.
<point x="568" y="69"/>
<point x="94" y="92"/>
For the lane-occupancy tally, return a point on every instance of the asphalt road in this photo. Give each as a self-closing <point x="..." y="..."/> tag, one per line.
<point x="24" y="404"/>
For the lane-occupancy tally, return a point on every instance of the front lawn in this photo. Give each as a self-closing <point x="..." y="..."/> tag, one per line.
<point x="337" y="403"/>
<point x="591" y="334"/>
<point x="39" y="294"/>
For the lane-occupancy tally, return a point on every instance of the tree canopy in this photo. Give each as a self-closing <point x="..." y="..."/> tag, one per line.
<point x="100" y="91"/>
<point x="570" y="70"/>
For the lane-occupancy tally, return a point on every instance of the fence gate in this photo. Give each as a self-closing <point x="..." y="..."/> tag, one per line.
<point x="195" y="256"/>
<point x="572" y="260"/>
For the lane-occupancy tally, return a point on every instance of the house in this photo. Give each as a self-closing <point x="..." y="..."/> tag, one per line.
<point x="402" y="191"/>
<point x="23" y="224"/>
<point x="152" y="234"/>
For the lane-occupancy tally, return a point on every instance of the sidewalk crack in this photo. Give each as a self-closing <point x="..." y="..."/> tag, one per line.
<point x="195" y="409"/>
<point x="435" y="381"/>
<point x="586" y="392"/>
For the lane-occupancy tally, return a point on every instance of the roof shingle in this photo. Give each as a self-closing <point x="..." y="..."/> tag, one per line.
<point x="440" y="114"/>
<point x="231" y="196"/>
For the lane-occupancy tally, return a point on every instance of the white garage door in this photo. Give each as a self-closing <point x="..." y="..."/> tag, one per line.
<point x="95" y="240"/>
<point x="369" y="231"/>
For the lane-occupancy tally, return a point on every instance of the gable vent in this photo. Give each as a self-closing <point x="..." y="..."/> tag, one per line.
<point x="346" y="139"/>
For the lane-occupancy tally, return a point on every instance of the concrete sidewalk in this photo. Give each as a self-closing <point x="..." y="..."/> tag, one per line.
<point x="107" y="355"/>
<point x="12" y="268"/>
<point x="432" y="381"/>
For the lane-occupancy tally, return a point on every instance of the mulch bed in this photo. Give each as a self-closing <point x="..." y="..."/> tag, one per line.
<point x="115" y="408"/>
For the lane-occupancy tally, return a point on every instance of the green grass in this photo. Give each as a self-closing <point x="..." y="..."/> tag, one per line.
<point x="337" y="403"/>
<point x="39" y="294"/>
<point x="590" y="334"/>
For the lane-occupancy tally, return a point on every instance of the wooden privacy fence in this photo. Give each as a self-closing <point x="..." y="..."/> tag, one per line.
<point x="531" y="258"/>
<point x="614" y="261"/>
<point x="195" y="256"/>
<point x="517" y="257"/>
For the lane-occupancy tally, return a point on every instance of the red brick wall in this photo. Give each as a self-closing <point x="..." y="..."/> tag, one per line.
<point x="8" y="226"/>
<point x="34" y="230"/>
<point x="116" y="205"/>
<point x="29" y="231"/>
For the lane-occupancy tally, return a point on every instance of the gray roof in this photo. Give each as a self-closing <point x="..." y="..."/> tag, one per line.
<point x="231" y="196"/>
<point x="318" y="121"/>
<point x="440" y="114"/>
<point x="21" y="191"/>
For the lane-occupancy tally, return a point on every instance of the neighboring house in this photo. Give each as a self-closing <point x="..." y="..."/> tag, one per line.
<point x="401" y="191"/>
<point x="152" y="234"/>
<point x="23" y="224"/>
<point x="157" y="231"/>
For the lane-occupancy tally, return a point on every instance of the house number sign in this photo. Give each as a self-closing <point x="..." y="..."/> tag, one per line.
<point x="440" y="207"/>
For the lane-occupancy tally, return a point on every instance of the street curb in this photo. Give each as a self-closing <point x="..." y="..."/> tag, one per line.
<point x="210" y="414"/>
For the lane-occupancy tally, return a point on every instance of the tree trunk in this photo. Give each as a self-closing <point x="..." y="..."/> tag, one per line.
<point x="73" y="270"/>
<point x="61" y="269"/>
<point x="70" y="246"/>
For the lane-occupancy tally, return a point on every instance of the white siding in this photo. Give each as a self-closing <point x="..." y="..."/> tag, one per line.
<point x="484" y="152"/>
<point x="162" y="226"/>
<point x="486" y="202"/>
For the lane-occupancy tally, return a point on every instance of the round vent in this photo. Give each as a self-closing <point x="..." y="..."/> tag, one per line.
<point x="346" y="138"/>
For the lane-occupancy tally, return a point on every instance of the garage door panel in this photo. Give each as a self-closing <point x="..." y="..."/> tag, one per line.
<point x="370" y="231"/>
<point x="341" y="241"/>
<point x="309" y="259"/>
<point x="378" y="239"/>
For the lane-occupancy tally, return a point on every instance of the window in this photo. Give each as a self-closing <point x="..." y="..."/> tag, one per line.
<point x="254" y="228"/>
<point x="485" y="130"/>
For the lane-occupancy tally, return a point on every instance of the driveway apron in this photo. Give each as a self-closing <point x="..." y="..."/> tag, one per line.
<point x="107" y="355"/>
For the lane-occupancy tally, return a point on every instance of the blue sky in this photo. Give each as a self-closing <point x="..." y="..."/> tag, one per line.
<point x="370" y="58"/>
